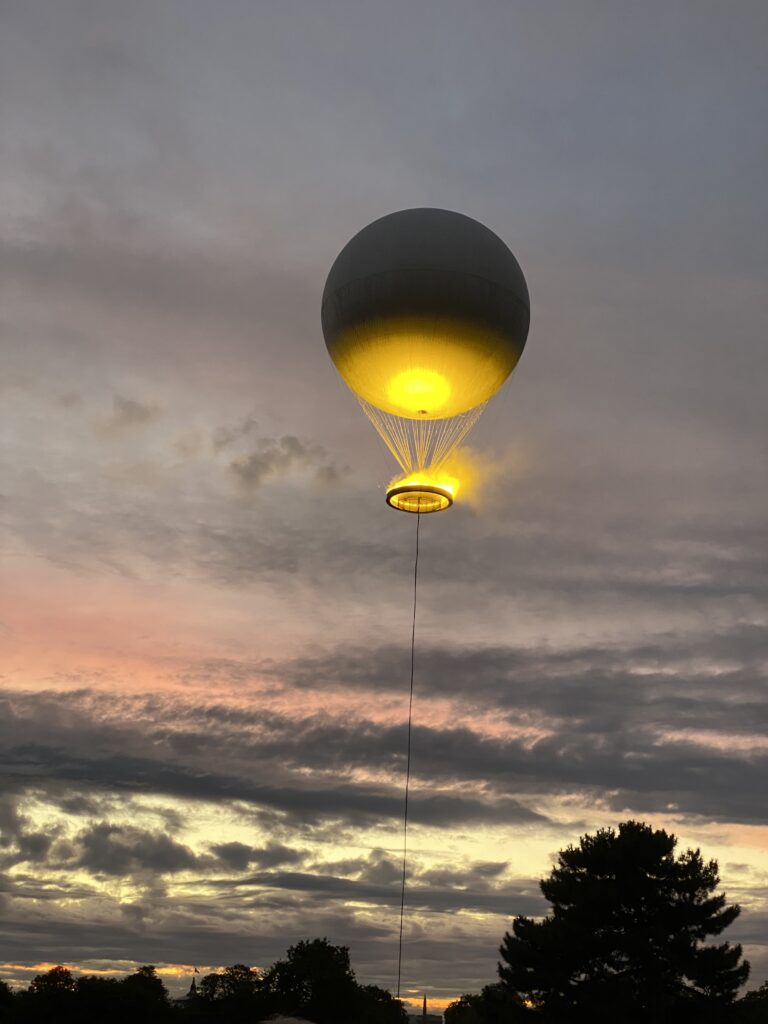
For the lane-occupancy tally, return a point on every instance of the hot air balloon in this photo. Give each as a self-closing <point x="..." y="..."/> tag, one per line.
<point x="425" y="314"/>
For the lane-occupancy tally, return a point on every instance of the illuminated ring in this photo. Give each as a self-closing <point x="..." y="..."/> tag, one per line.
<point x="421" y="498"/>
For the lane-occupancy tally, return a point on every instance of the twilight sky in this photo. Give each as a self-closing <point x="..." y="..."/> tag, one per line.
<point x="206" y="601"/>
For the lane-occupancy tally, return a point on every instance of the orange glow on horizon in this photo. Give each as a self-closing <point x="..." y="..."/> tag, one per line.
<point x="164" y="970"/>
<point x="434" y="1003"/>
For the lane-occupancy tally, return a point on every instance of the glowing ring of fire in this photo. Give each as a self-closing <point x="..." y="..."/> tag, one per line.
<point x="421" y="498"/>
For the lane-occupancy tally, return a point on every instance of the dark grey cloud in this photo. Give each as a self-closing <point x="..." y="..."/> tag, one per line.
<point x="240" y="856"/>
<point x="80" y="804"/>
<point x="444" y="899"/>
<point x="34" y="846"/>
<point x="479" y="872"/>
<point x="223" y="437"/>
<point x="18" y="843"/>
<point x="280" y="456"/>
<point x="353" y="804"/>
<point x="128" y="413"/>
<point x="693" y="680"/>
<point x="107" y="849"/>
<point x="381" y="869"/>
<point x="11" y="820"/>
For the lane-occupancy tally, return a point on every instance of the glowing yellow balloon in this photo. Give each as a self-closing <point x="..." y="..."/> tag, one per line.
<point x="425" y="314"/>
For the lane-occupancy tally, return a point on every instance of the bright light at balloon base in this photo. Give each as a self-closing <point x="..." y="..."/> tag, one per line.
<point x="418" y="497"/>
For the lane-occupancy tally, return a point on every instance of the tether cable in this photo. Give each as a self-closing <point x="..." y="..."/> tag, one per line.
<point x="408" y="758"/>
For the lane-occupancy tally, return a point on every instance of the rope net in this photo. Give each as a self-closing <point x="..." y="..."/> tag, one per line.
<point x="418" y="444"/>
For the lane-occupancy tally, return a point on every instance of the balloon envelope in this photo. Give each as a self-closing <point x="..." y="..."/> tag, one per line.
<point x="425" y="313"/>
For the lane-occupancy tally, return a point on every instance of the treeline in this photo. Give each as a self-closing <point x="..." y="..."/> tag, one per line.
<point x="495" y="1004"/>
<point x="315" y="982"/>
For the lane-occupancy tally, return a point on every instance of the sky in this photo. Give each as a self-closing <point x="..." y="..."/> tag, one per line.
<point x="206" y="601"/>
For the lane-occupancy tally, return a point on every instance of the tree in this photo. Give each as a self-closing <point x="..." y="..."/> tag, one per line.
<point x="58" y="979"/>
<point x="145" y="995"/>
<point x="98" y="999"/>
<point x="6" y="1000"/>
<point x="753" y="1007"/>
<point x="467" y="1009"/>
<point x="237" y="981"/>
<point x="50" y="996"/>
<point x="316" y="982"/>
<point x="232" y="995"/>
<point x="378" y="1006"/>
<point x="624" y="939"/>
<point x="494" y="1005"/>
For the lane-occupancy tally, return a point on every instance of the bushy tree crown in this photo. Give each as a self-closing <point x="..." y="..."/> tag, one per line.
<point x="626" y="933"/>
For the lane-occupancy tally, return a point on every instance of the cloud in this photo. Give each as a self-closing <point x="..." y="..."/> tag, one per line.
<point x="118" y="850"/>
<point x="34" y="846"/>
<point x="319" y="770"/>
<point x="128" y="413"/>
<point x="439" y="900"/>
<point x="18" y="842"/>
<point x="279" y="457"/>
<point x="223" y="437"/>
<point x="11" y="821"/>
<point x="130" y="760"/>
<point x="381" y="869"/>
<point x="240" y="856"/>
<point x="668" y="681"/>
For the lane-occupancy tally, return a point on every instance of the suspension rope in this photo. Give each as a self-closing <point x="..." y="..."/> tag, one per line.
<point x="408" y="758"/>
<point x="421" y="444"/>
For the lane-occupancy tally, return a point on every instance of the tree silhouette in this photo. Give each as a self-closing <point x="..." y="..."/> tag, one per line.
<point x="377" y="1006"/>
<point x="753" y="1008"/>
<point x="494" y="1005"/>
<point x="57" y="980"/>
<point x="238" y="981"/>
<point x="6" y="1000"/>
<point x="51" y="996"/>
<point x="145" y="996"/>
<point x="99" y="999"/>
<point x="316" y="982"/>
<point x="232" y="995"/>
<point x="624" y="939"/>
